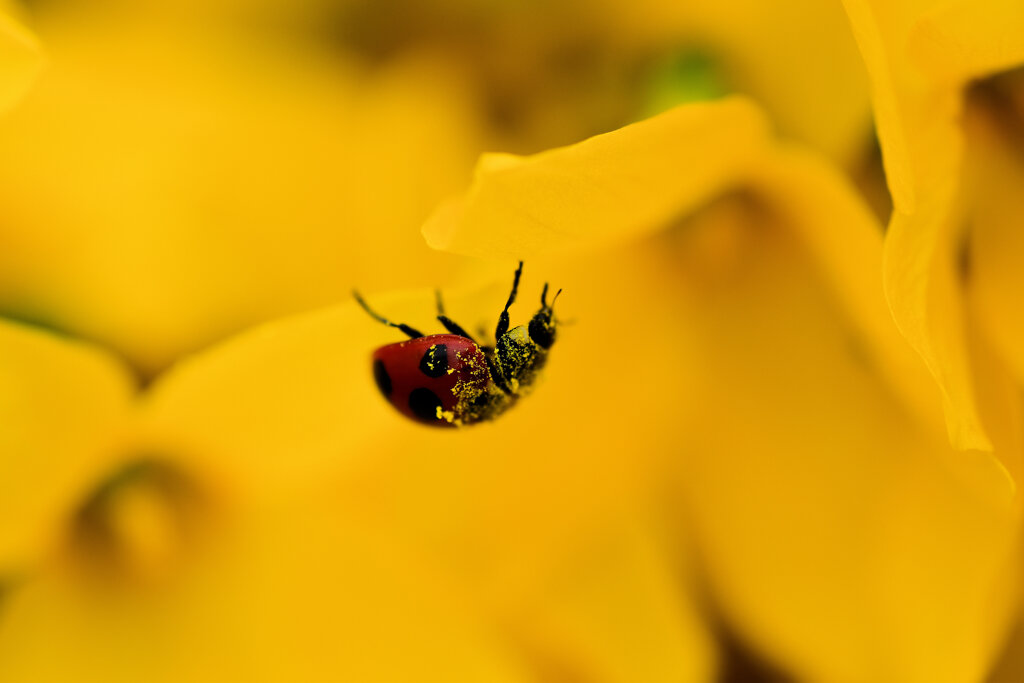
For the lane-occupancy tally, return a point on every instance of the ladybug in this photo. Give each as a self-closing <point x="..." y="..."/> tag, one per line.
<point x="448" y="380"/>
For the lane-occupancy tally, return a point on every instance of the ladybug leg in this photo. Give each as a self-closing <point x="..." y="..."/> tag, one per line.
<point x="503" y="318"/>
<point x="503" y="322"/>
<point x="492" y="367"/>
<point x="412" y="332"/>
<point x="454" y="328"/>
<point x="448" y="323"/>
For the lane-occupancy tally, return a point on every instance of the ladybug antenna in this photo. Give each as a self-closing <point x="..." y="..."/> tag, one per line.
<point x="448" y="323"/>
<point x="412" y="332"/>
<point x="544" y="297"/>
<point x="571" y="321"/>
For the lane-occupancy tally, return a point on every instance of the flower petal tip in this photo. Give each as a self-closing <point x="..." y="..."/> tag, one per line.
<point x="439" y="228"/>
<point x="606" y="189"/>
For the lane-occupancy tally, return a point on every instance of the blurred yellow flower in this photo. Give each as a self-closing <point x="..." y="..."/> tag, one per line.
<point x="263" y="517"/>
<point x="155" y="219"/>
<point x="59" y="403"/>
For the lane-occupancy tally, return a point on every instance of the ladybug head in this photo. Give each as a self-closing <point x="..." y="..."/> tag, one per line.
<point x="542" y="325"/>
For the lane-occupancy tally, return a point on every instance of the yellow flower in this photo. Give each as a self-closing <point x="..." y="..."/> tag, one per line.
<point x="732" y="431"/>
<point x="265" y="513"/>
<point x="159" y="202"/>
<point x="840" y="533"/>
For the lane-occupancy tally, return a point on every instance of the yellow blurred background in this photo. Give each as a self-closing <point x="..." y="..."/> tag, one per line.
<point x="746" y="460"/>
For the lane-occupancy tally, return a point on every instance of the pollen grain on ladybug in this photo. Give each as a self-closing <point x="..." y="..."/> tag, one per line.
<point x="448" y="380"/>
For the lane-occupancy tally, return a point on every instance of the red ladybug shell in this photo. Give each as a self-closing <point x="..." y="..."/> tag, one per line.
<point x="432" y="379"/>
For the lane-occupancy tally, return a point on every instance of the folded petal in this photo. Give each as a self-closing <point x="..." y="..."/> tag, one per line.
<point x="919" y="56"/>
<point x="994" y="246"/>
<point x="606" y="190"/>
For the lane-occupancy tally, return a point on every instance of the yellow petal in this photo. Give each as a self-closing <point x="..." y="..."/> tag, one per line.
<point x="835" y="532"/>
<point x="616" y="612"/>
<point x="996" y="246"/>
<point x="878" y="29"/>
<point x="605" y="190"/>
<point x="20" y="59"/>
<point x="290" y="593"/>
<point x="558" y="555"/>
<point x="278" y="405"/>
<point x="842" y="237"/>
<point x="317" y="589"/>
<point x="923" y="286"/>
<point x="922" y="146"/>
<point x="61" y="404"/>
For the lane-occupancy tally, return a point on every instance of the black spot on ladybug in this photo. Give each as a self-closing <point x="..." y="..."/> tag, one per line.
<point x="424" y="403"/>
<point x="383" y="379"/>
<point x="435" y="361"/>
